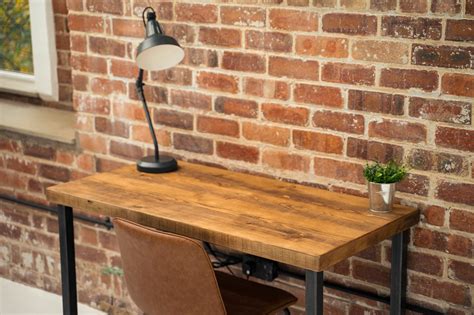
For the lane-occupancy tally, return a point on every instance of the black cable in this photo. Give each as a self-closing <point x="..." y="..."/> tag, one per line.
<point x="228" y="261"/>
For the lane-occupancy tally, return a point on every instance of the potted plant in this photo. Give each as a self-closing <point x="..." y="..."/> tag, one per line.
<point x="382" y="179"/>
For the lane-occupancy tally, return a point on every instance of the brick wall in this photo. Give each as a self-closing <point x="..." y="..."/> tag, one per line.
<point x="296" y="90"/>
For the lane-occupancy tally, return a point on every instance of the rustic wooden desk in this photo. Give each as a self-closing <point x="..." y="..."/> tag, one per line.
<point x="290" y="223"/>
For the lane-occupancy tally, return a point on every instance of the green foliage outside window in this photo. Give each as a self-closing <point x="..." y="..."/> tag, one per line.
<point x="15" y="36"/>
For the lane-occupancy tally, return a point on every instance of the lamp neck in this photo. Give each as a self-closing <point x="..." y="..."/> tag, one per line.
<point x="152" y="25"/>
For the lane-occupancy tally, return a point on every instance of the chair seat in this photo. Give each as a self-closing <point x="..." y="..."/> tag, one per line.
<point x="242" y="297"/>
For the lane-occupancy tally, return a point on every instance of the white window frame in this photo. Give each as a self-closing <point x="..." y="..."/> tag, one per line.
<point x="44" y="81"/>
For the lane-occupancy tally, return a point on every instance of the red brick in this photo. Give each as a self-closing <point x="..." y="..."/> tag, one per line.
<point x="217" y="82"/>
<point x="268" y="41"/>
<point x="461" y="246"/>
<point x="178" y="76"/>
<point x="414" y="184"/>
<point x="460" y="30"/>
<point x="439" y="162"/>
<point x="234" y="106"/>
<point x="425" y="263"/>
<point x="446" y="6"/>
<point x="383" y="5"/>
<point x="128" y="110"/>
<point x="458" y="84"/>
<point x="74" y="5"/>
<point x="193" y="143"/>
<point x="293" y="68"/>
<point x="173" y="119"/>
<point x="225" y="37"/>
<point x="93" y="143"/>
<point x="350" y="24"/>
<point x="86" y="23"/>
<point x="461" y="220"/>
<point x="293" y="20"/>
<point x="373" y="150"/>
<point x="318" y="95"/>
<point x="107" y="165"/>
<point x="409" y="79"/>
<point x="440" y="110"/>
<point x="330" y="47"/>
<point x="200" y="57"/>
<point x="286" y="161"/>
<point x="398" y="130"/>
<point x="237" y="152"/>
<point x="470" y="7"/>
<point x="324" y="3"/>
<point x="114" y="128"/>
<point x="85" y="162"/>
<point x="78" y="43"/>
<point x="53" y="172"/>
<point x="243" y="62"/>
<point x="446" y="291"/>
<point x="267" y="88"/>
<point x="429" y="239"/>
<point x="348" y="73"/>
<point x="164" y="10"/>
<point x="273" y="135"/>
<point x="434" y="215"/>
<point x="12" y="180"/>
<point x="380" y="51"/>
<point x="124" y="69"/>
<point x="283" y="114"/>
<point x="191" y="99"/>
<point x="243" y="16"/>
<point x="153" y="94"/>
<point x="411" y="27"/>
<point x="376" y="102"/>
<point x="316" y="141"/>
<point x="456" y="192"/>
<point x="340" y="170"/>
<point x="105" y="46"/>
<point x="128" y="28"/>
<point x="414" y="6"/>
<point x="460" y="139"/>
<point x="10" y="145"/>
<point x="91" y="255"/>
<point x="197" y="13"/>
<point x="105" y="6"/>
<point x="126" y="150"/>
<point x="80" y="82"/>
<point x="344" y="122"/>
<point x="107" y="87"/>
<point x="218" y="126"/>
<point x="183" y="33"/>
<point x="90" y="104"/>
<point x="442" y="56"/>
<point x="461" y="271"/>
<point x="89" y="64"/>
<point x="371" y="272"/>
<point x="64" y="157"/>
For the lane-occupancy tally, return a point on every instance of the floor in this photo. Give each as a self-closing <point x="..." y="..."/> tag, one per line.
<point x="16" y="299"/>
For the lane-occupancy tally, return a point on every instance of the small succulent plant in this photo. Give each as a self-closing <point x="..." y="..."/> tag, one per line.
<point x="391" y="172"/>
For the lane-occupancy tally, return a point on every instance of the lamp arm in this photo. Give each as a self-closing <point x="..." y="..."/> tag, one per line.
<point x="141" y="95"/>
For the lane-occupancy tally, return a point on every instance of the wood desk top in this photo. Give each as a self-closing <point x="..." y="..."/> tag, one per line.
<point x="290" y="223"/>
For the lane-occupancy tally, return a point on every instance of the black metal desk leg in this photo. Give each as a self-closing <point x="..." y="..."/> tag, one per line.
<point x="68" y="264"/>
<point x="399" y="274"/>
<point x="314" y="292"/>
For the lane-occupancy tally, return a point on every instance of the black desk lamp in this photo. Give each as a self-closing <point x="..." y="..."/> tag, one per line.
<point x="156" y="52"/>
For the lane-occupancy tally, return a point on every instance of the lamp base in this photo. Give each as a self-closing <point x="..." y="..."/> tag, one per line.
<point x="148" y="164"/>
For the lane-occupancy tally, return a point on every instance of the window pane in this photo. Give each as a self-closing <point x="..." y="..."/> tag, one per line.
<point x="15" y="36"/>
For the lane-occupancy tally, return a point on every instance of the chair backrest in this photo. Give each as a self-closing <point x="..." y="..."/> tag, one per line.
<point x="167" y="274"/>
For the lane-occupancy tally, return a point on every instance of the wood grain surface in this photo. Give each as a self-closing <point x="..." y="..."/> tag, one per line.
<point x="290" y="223"/>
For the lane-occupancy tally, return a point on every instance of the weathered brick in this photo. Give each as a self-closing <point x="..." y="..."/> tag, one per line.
<point x="380" y="51"/>
<point x="183" y="33"/>
<point x="89" y="64"/>
<point x="86" y="23"/>
<point x="383" y="5"/>
<point x="376" y="102"/>
<point x="458" y="84"/>
<point x="461" y="271"/>
<point x="243" y="16"/>
<point x="243" y="62"/>
<point x="316" y="141"/>
<point x="373" y="150"/>
<point x="434" y="215"/>
<point x="126" y="150"/>
<point x="178" y="76"/>
<point x="293" y="20"/>
<point x="107" y="165"/>
<point x="218" y="82"/>
<point x="446" y="291"/>
<point x="457" y="192"/>
<point x="90" y="104"/>
<point x="40" y="151"/>
<point x="191" y="99"/>
<point x="273" y="135"/>
<point x="107" y="87"/>
<point x="93" y="143"/>
<point x="398" y="130"/>
<point x="153" y="94"/>
<point x="268" y="41"/>
<point x="433" y="161"/>
<point x="470" y="7"/>
<point x="128" y="28"/>
<point x="54" y="172"/>
<point x="340" y="170"/>
<point x="414" y="6"/>
<point x="440" y="110"/>
<point x="293" y="68"/>
<point x="225" y="37"/>
<point x="200" y="57"/>
<point x="285" y="161"/>
<point x="460" y="30"/>
<point x="105" y="6"/>
<point x="218" y="126"/>
<point x="354" y="4"/>
<point x="460" y="139"/>
<point x="173" y="119"/>
<point x="266" y="88"/>
<point x="414" y="184"/>
<point x="348" y="73"/>
<point x="443" y="56"/>
<point x="111" y="127"/>
<point x="164" y="11"/>
<point x="193" y="143"/>
<point x="80" y="82"/>
<point x="371" y="272"/>
<point x="124" y="69"/>
<point x="461" y="220"/>
<point x="285" y="114"/>
<point x="344" y="122"/>
<point x="318" y="95"/>
<point x="409" y="79"/>
<point x="234" y="106"/>
<point x="350" y="24"/>
<point x="411" y="27"/>
<point x="330" y="47"/>
<point x="197" y="13"/>
<point x="446" y="6"/>
<point x="78" y="43"/>
<point x="237" y="152"/>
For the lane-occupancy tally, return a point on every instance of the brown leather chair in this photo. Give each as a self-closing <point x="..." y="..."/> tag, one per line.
<point x="168" y="274"/>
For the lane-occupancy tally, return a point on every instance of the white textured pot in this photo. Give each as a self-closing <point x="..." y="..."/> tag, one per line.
<point x="381" y="196"/>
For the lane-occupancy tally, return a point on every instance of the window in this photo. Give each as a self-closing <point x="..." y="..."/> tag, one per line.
<point x="28" y="60"/>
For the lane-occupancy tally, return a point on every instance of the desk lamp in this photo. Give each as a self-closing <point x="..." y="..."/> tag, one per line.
<point x="156" y="52"/>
